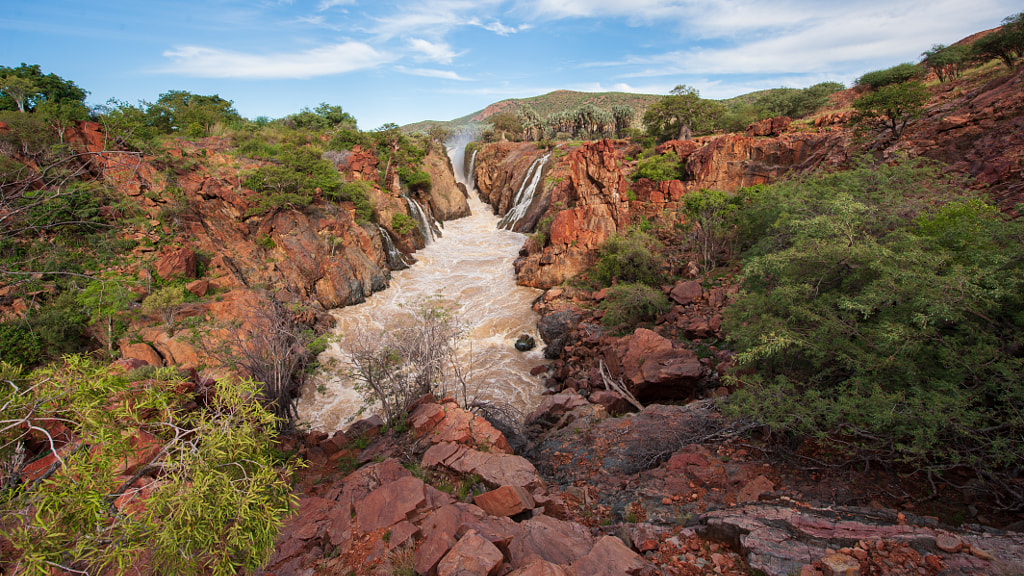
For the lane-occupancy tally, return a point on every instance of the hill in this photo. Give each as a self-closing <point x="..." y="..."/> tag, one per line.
<point x="545" y="105"/>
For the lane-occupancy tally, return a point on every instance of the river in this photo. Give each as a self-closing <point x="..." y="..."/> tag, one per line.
<point x="471" y="266"/>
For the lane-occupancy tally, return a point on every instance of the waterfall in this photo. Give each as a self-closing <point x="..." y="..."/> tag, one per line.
<point x="470" y="176"/>
<point x="524" y="196"/>
<point x="396" y="260"/>
<point x="428" y="230"/>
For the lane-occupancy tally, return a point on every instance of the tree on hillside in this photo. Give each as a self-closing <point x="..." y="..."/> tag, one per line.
<point x="948" y="62"/>
<point x="38" y="88"/>
<point x="623" y="115"/>
<point x="182" y="111"/>
<point x="681" y="112"/>
<point x="18" y="89"/>
<point x="893" y="106"/>
<point x="533" y="127"/>
<point x="323" y="118"/>
<point x="507" y="124"/>
<point x="1007" y="43"/>
<point x="437" y="135"/>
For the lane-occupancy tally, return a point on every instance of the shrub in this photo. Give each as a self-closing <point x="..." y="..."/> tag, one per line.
<point x="19" y="346"/>
<point x="893" y="106"/>
<point x="630" y="258"/>
<point x="402" y="223"/>
<point x="632" y="303"/>
<point x="658" y="168"/>
<point x="707" y="212"/>
<point x="896" y="75"/>
<point x="1006" y="43"/>
<point x="416" y="180"/>
<point x="879" y="324"/>
<point x="358" y="193"/>
<point x="948" y="62"/>
<point x="166" y="301"/>
<point x="217" y="501"/>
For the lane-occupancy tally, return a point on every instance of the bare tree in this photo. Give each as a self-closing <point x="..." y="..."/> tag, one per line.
<point x="397" y="367"/>
<point x="271" y="347"/>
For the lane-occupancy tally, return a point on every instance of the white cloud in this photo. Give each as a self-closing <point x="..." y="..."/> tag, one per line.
<point x="323" y="61"/>
<point x="497" y="27"/>
<point x="432" y="73"/>
<point x="328" y="4"/>
<point x="439" y="52"/>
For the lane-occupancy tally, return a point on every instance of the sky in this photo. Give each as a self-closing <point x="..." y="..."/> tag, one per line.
<point x="402" y="62"/>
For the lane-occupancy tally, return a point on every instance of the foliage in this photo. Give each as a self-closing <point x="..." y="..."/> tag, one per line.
<point x="323" y="118"/>
<point x="897" y="74"/>
<point x="176" y="110"/>
<point x="507" y="124"/>
<point x="19" y="346"/>
<point x="631" y="303"/>
<point x="397" y="367"/>
<point x="217" y="500"/>
<point x="437" y="135"/>
<point x="682" y="112"/>
<point x="415" y="179"/>
<point x="358" y="193"/>
<point x="948" y="62"/>
<point x="795" y="103"/>
<point x="659" y="168"/>
<point x="26" y="87"/>
<point x="708" y="212"/>
<point x="103" y="299"/>
<point x="630" y="258"/>
<point x="165" y="301"/>
<point x="882" y="313"/>
<point x="623" y="114"/>
<point x="294" y="182"/>
<point x="127" y="125"/>
<point x="1006" y="43"/>
<point x="893" y="105"/>
<point x="402" y="223"/>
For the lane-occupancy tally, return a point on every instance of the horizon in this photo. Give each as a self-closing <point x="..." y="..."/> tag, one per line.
<point x="438" y="60"/>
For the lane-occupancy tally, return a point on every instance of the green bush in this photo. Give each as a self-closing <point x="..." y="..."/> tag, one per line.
<point x="358" y="193"/>
<point x="948" y="62"/>
<point x="19" y="345"/>
<point x="632" y="303"/>
<point x="893" y="106"/>
<point x="882" y="315"/>
<point x="415" y="179"/>
<point x="630" y="258"/>
<point x="217" y="503"/>
<point x="895" y="75"/>
<point x="659" y="168"/>
<point x="1006" y="43"/>
<point x="402" y="223"/>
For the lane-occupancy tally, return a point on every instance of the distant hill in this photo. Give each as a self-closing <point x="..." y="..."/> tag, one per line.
<point x="546" y="105"/>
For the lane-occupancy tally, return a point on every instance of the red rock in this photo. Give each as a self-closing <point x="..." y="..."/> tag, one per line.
<point x="198" y="287"/>
<point x="539" y="568"/>
<point x="686" y="291"/>
<point x="556" y="405"/>
<point x="610" y="557"/>
<point x="447" y="422"/>
<point x="549" y="539"/>
<point x="652" y="367"/>
<point x="177" y="262"/>
<point x="948" y="543"/>
<point x="401" y="533"/>
<point x="612" y="401"/>
<point x="840" y="565"/>
<point x="505" y="501"/>
<point x="390" y="504"/>
<point x="752" y="490"/>
<point x="142" y="352"/>
<point x="431" y="551"/>
<point x="494" y="468"/>
<point x="472" y="555"/>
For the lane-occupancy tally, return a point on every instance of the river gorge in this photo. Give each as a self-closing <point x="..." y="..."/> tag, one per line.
<point x="470" y="265"/>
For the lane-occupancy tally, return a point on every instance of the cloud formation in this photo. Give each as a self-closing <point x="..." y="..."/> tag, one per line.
<point x="439" y="52"/>
<point x="323" y="61"/>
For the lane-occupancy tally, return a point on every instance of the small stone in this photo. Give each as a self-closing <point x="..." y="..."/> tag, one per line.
<point x="840" y="565"/>
<point x="525" y="343"/>
<point x="948" y="543"/>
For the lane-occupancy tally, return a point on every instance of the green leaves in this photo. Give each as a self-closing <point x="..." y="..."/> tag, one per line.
<point x="879" y="320"/>
<point x="893" y="105"/>
<point x="215" y="499"/>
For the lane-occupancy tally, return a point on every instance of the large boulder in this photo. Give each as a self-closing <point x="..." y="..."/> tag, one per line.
<point x="652" y="367"/>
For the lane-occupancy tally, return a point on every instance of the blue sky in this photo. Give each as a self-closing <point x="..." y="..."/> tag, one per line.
<point x="395" y="61"/>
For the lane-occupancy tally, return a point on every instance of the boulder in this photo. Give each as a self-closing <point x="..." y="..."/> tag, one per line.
<point x="686" y="292"/>
<point x="178" y="262"/>
<point x="505" y="501"/>
<point x="472" y="555"/>
<point x="555" y="329"/>
<point x="495" y="469"/>
<point x="652" y="367"/>
<point x="447" y="422"/>
<point x="610" y="557"/>
<point x="390" y="504"/>
<point x="143" y="352"/>
<point x="431" y="551"/>
<point x="549" y="539"/>
<point x="554" y="406"/>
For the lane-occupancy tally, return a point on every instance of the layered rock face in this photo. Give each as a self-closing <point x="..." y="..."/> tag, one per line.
<point x="320" y="256"/>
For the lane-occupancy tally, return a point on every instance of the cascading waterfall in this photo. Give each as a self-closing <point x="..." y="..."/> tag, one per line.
<point x="524" y="196"/>
<point x="470" y="176"/>
<point x="471" y="267"/>
<point x="396" y="260"/>
<point x="428" y="231"/>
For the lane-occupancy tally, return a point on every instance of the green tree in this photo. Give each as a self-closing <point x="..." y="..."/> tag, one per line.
<point x="17" y="89"/>
<point x="1006" y="43"/>
<point x="324" y="117"/>
<point x="217" y="499"/>
<point x="893" y="105"/>
<point x="897" y="74"/>
<point x="623" y="115"/>
<point x="507" y="124"/>
<point x="948" y="62"/>
<point x="532" y="125"/>
<point x="166" y="302"/>
<point x="681" y="113"/>
<point x="708" y="214"/>
<point x="437" y="135"/>
<point x="633" y="257"/>
<point x="877" y="309"/>
<point x="39" y="88"/>
<point x="178" y="110"/>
